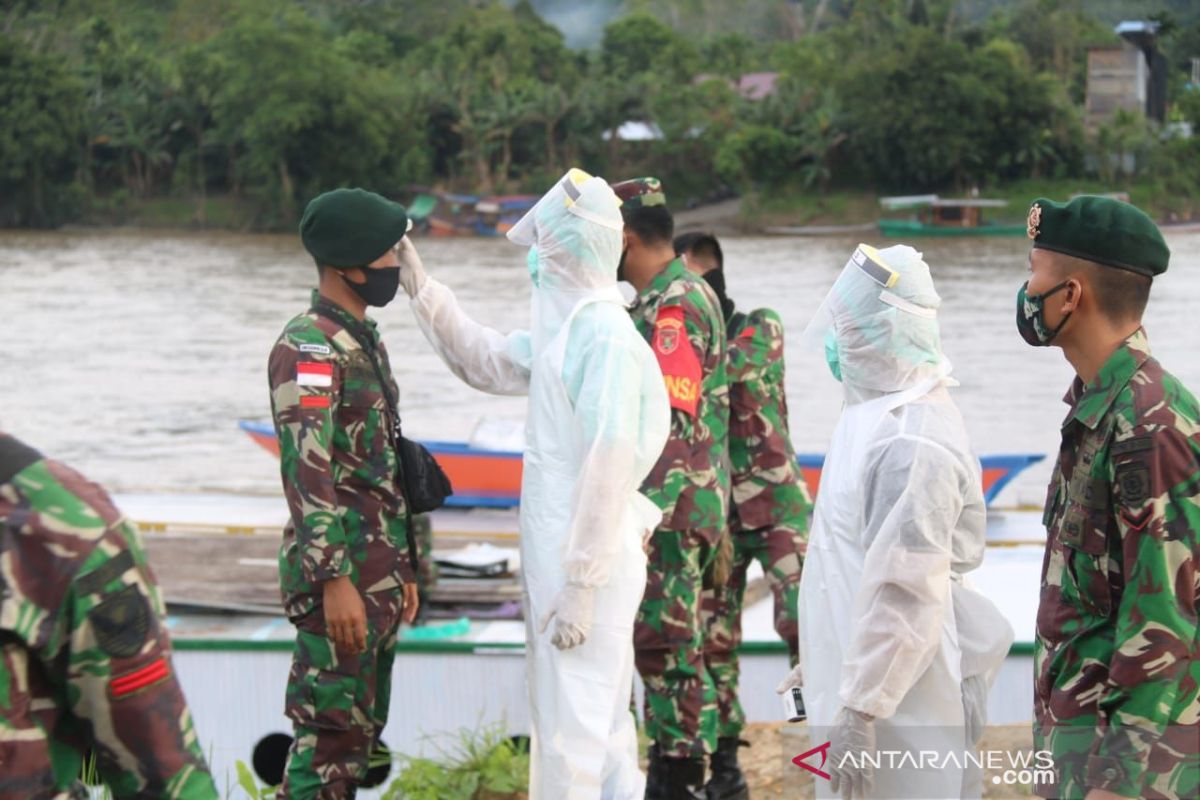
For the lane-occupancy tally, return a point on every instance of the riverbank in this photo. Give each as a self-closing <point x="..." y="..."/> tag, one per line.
<point x="758" y="212"/>
<point x="750" y="214"/>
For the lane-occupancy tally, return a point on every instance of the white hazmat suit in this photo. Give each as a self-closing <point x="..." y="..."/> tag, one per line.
<point x="597" y="422"/>
<point x="888" y="626"/>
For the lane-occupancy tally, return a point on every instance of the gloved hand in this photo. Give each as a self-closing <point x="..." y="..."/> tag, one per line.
<point x="794" y="680"/>
<point x="854" y="733"/>
<point x="974" y="694"/>
<point x="412" y="271"/>
<point x="572" y="614"/>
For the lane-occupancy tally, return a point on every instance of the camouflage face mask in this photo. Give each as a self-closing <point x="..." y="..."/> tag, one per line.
<point x="1031" y="321"/>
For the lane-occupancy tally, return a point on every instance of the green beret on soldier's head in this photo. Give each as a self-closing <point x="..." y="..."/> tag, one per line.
<point x="640" y="193"/>
<point x="1102" y="230"/>
<point x="351" y="227"/>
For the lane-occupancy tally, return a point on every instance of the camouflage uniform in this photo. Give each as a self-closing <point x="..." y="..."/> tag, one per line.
<point x="85" y="661"/>
<point x="1117" y="669"/>
<point x="769" y="509"/>
<point x="680" y="316"/>
<point x="339" y="467"/>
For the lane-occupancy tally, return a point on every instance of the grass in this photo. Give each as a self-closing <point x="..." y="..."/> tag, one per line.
<point x="222" y="212"/>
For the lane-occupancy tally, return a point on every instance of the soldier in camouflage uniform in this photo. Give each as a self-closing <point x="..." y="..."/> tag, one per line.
<point x="680" y="317"/>
<point x="770" y="503"/>
<point x="344" y="567"/>
<point x="1117" y="689"/>
<point x="85" y="660"/>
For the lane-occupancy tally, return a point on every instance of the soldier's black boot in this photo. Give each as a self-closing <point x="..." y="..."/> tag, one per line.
<point x="684" y="778"/>
<point x="727" y="781"/>
<point x="656" y="786"/>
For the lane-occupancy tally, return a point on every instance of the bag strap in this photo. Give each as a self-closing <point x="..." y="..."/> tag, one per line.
<point x="358" y="331"/>
<point x="15" y="456"/>
<point x="333" y="313"/>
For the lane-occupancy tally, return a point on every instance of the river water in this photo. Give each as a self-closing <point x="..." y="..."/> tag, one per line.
<point x="133" y="354"/>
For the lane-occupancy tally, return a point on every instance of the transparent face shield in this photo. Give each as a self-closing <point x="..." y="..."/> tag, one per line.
<point x="574" y="229"/>
<point x="878" y="325"/>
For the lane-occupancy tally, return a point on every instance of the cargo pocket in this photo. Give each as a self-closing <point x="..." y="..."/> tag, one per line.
<point x="1085" y="555"/>
<point x="318" y="696"/>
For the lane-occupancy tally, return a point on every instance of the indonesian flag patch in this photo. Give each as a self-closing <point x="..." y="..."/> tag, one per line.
<point x="677" y="359"/>
<point x="312" y="374"/>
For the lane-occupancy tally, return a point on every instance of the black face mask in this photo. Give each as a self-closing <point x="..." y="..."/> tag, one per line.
<point x="380" y="287"/>
<point x="716" y="279"/>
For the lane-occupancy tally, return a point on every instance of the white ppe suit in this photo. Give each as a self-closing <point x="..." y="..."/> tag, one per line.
<point x="597" y="422"/>
<point x="888" y="626"/>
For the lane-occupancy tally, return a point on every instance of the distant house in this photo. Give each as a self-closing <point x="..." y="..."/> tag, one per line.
<point x="1131" y="75"/>
<point x="757" y="85"/>
<point x="751" y="86"/>
<point x="635" y="131"/>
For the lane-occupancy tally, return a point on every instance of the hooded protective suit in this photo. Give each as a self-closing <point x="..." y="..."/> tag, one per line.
<point x="598" y="419"/>
<point x="889" y="627"/>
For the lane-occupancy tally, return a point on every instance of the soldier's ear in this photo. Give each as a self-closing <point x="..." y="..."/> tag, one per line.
<point x="1073" y="294"/>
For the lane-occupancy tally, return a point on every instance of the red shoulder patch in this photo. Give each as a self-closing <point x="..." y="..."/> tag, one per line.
<point x="677" y="359"/>
<point x="748" y="333"/>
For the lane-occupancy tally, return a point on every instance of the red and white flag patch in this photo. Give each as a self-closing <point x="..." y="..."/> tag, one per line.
<point x="677" y="359"/>
<point x="313" y="374"/>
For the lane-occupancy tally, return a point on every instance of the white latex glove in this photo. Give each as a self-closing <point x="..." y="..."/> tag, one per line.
<point x="974" y="693"/>
<point x="794" y="680"/>
<point x="572" y="615"/>
<point x="853" y="733"/>
<point x="412" y="271"/>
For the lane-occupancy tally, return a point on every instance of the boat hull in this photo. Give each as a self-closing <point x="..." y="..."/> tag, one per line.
<point x="903" y="228"/>
<point x="492" y="478"/>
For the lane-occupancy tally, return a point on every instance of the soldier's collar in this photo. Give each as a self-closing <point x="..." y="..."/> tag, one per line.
<point x="339" y="314"/>
<point x="1090" y="403"/>
<point x="659" y="283"/>
<point x="15" y="457"/>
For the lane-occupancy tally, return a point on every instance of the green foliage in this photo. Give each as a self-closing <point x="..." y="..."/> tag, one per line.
<point x="41" y="137"/>
<point x="218" y="110"/>
<point x="476" y="764"/>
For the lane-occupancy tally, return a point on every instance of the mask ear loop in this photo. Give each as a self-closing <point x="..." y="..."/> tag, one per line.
<point x="1042" y="299"/>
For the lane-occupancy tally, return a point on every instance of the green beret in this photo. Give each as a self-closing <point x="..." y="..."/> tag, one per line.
<point x="640" y="192"/>
<point x="351" y="227"/>
<point x="1102" y="230"/>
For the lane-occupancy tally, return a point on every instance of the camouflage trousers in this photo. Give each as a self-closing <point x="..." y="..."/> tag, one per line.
<point x="427" y="569"/>
<point x="338" y="703"/>
<point x="780" y="550"/>
<point x="668" y="640"/>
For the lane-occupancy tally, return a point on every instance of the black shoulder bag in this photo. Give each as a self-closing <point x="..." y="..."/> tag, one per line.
<point x="422" y="481"/>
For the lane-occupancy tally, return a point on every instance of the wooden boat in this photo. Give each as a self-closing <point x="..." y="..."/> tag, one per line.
<point x="445" y="214"/>
<point x="935" y="216"/>
<point x="486" y="478"/>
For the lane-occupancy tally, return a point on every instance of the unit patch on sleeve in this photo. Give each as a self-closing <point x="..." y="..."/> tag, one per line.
<point x="121" y="623"/>
<point x="677" y="359"/>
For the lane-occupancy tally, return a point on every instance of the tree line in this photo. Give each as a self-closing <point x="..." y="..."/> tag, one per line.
<point x="109" y="102"/>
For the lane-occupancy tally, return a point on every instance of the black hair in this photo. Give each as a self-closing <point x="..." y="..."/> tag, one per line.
<point x="704" y="245"/>
<point x="652" y="224"/>
<point x="1121" y="295"/>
